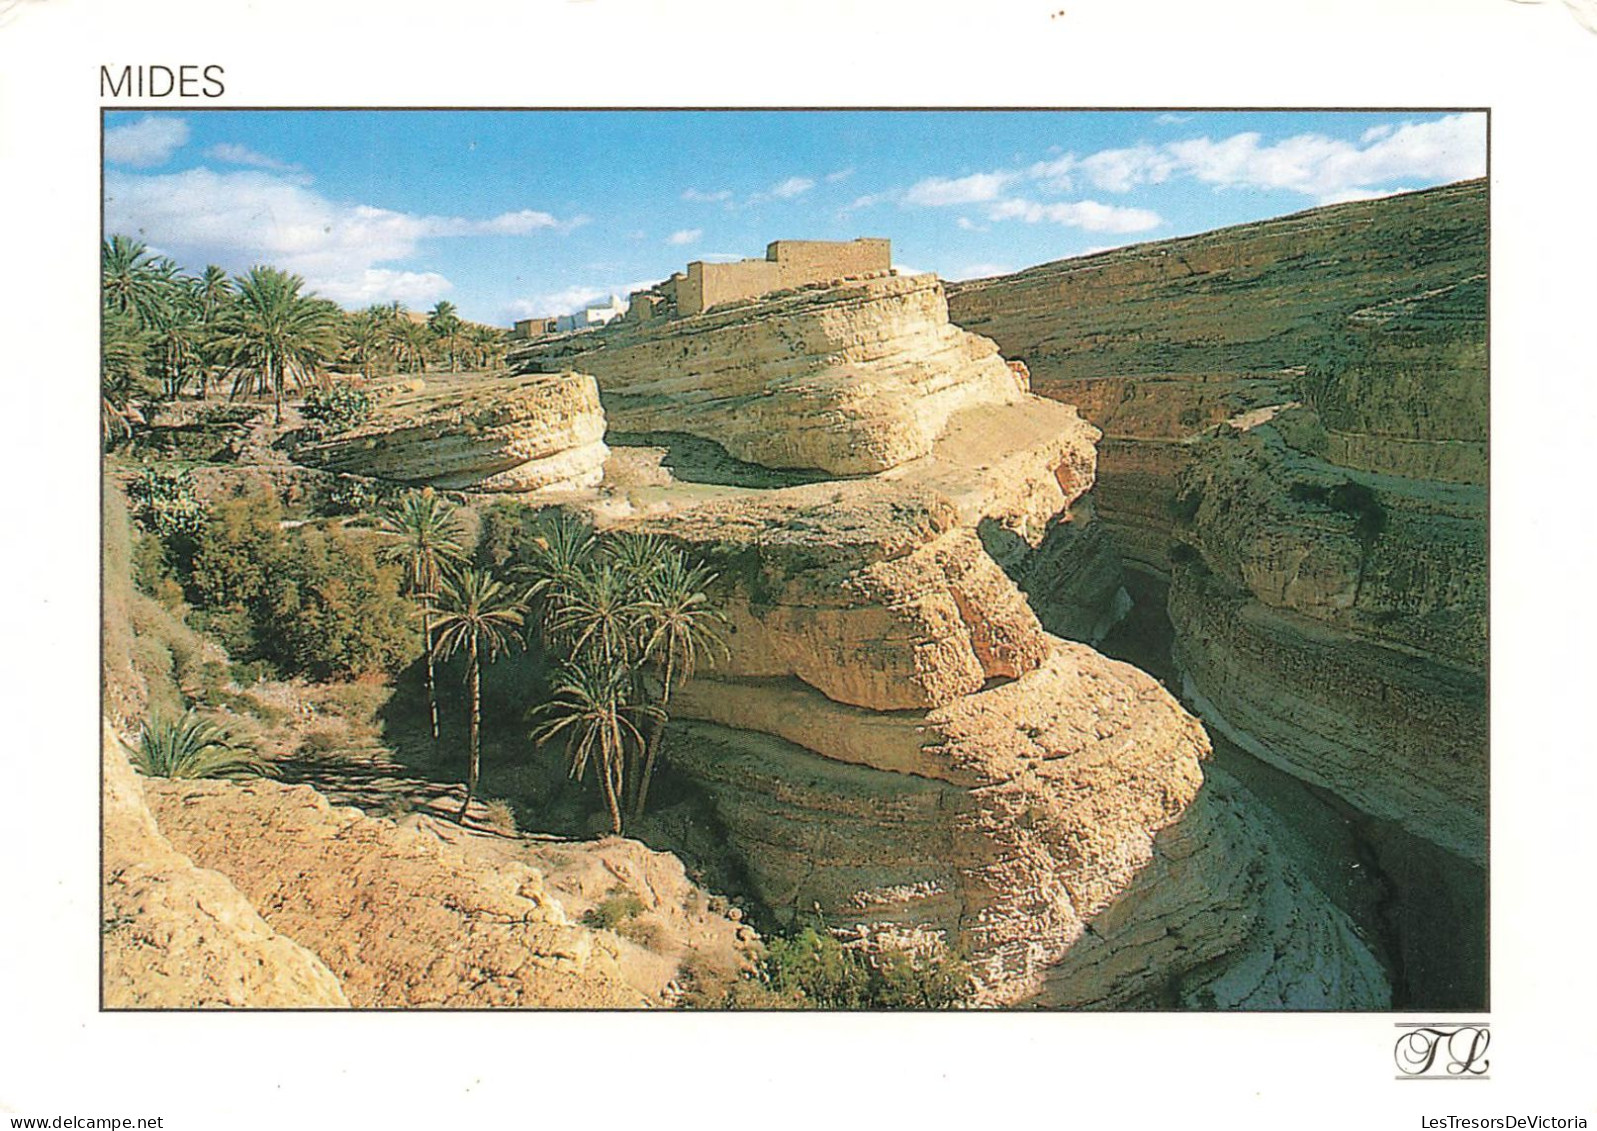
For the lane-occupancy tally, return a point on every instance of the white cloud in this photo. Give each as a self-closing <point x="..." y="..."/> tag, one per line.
<point x="698" y="197"/>
<point x="1173" y="119"/>
<point x="1121" y="170"/>
<point x="244" y="217"/>
<point x="974" y="189"/>
<point x="416" y="289"/>
<point x="1055" y="172"/>
<point x="792" y="187"/>
<point x="149" y="141"/>
<point x="966" y="224"/>
<point x="685" y="236"/>
<point x="980" y="271"/>
<point x="567" y="301"/>
<point x="243" y="155"/>
<point x="1088" y="215"/>
<point x="570" y="300"/>
<point x="839" y="175"/>
<point x="1448" y="149"/>
<point x="869" y="200"/>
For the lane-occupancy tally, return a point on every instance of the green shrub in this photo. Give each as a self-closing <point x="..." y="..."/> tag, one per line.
<point x="335" y="407"/>
<point x="350" y="494"/>
<point x="814" y="970"/>
<point x="307" y="601"/>
<point x="192" y="747"/>
<point x="164" y="503"/>
<point x="620" y="906"/>
<point x="1355" y="500"/>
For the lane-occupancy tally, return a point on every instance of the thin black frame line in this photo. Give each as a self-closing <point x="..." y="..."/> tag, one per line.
<point x="1039" y="109"/>
<point x="1002" y="1012"/>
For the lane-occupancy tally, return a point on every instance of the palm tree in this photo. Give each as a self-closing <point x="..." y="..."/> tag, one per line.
<point x="590" y="705"/>
<point x="561" y="551"/>
<point x="367" y="339"/>
<point x="274" y="334"/>
<point x="122" y="373"/>
<point x="214" y="291"/>
<point x="487" y="346"/>
<point x="477" y="615"/>
<point x="178" y="338"/>
<point x="134" y="281"/>
<point x="446" y="326"/>
<point x="601" y="616"/>
<point x="682" y="629"/>
<point x="412" y="344"/>
<point x="192" y="747"/>
<point x="426" y="530"/>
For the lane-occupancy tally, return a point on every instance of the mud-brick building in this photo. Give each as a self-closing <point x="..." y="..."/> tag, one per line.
<point x="787" y="264"/>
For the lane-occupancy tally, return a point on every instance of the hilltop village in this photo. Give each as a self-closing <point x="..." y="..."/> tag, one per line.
<point x="797" y="633"/>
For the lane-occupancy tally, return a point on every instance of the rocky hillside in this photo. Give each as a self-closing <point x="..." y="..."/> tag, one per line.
<point x="847" y="379"/>
<point x="176" y="935"/>
<point x="1295" y="450"/>
<point x="484" y="434"/>
<point x="897" y="741"/>
<point x="1158" y="343"/>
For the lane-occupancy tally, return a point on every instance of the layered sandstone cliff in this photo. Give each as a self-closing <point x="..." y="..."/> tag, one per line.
<point x="1157" y="344"/>
<point x="895" y="741"/>
<point x="400" y="916"/>
<point x="179" y="936"/>
<point x="522" y="434"/>
<point x="1294" y="458"/>
<point x="847" y="378"/>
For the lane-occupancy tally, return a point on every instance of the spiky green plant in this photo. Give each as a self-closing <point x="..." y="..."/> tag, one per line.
<point x="192" y="747"/>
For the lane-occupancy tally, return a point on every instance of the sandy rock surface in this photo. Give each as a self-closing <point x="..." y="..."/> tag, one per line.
<point x="521" y="434"/>
<point x="180" y="936"/>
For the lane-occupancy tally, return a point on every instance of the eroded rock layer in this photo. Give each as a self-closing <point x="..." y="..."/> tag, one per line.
<point x="895" y="740"/>
<point x="178" y="936"/>
<point x="1295" y="421"/>
<point x="1160" y="342"/>
<point x="521" y="434"/>
<point x="849" y="378"/>
<point x="401" y="917"/>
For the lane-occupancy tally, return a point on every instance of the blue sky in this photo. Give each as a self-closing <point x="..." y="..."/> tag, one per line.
<point x="514" y="213"/>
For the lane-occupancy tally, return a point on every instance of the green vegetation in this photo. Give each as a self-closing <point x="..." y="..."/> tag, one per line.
<point x="813" y="970"/>
<point x="1355" y="500"/>
<point x="309" y="601"/>
<point x="192" y="747"/>
<point x="165" y="333"/>
<point x="618" y="907"/>
<point x="425" y="533"/>
<point x="627" y="619"/>
<point x="476" y="615"/>
<point x="165" y="502"/>
<point x="335" y="407"/>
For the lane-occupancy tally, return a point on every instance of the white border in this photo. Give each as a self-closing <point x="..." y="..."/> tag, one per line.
<point x="1533" y="65"/>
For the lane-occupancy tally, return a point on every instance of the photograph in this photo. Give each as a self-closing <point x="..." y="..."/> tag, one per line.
<point x="701" y="563"/>
<point x="750" y="560"/>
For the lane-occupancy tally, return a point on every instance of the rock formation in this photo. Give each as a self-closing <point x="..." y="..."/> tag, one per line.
<point x="177" y="936"/>
<point x="521" y="434"/>
<point x="402" y="918"/>
<point x="895" y="740"/>
<point x="848" y="378"/>
<point x="1295" y="421"/>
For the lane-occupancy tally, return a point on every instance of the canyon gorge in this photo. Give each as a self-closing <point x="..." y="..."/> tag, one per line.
<point x="1119" y="625"/>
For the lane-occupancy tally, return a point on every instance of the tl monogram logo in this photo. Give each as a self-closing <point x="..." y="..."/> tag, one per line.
<point x="1442" y="1051"/>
